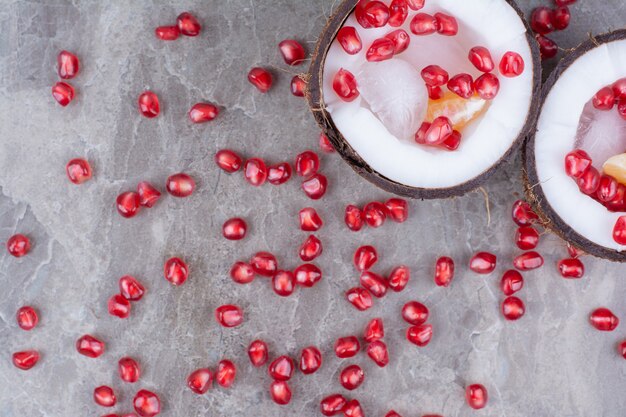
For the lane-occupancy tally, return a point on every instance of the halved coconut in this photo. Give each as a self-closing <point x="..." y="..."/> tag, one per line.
<point x="375" y="133"/>
<point x="569" y="121"/>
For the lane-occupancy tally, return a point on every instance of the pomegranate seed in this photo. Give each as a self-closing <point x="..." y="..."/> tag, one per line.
<point x="574" y="252"/>
<point x="130" y="288"/>
<point x="376" y="13"/>
<point x="298" y="86"/>
<point x="526" y="238"/>
<point x="78" y="170"/>
<point x="621" y="348"/>
<point x="398" y="12"/>
<point x="325" y="144"/>
<point x="228" y="160"/>
<point x="571" y="268"/>
<point x="18" y="245"/>
<point x="129" y="370"/>
<point x="462" y="85"/>
<point x="400" y="39"/>
<point x="619" y="89"/>
<point x="180" y="185"/>
<point x="487" y="86"/>
<point x="229" y="315"/>
<point x="27" y="318"/>
<point x="528" y="261"/>
<point x="292" y="52"/>
<point x="440" y="129"/>
<point x="452" y="142"/>
<point x="434" y="93"/>
<point x="261" y="79"/>
<point x="607" y="189"/>
<point x="264" y="264"/>
<point x="446" y="24"/>
<point x="415" y="313"/>
<point x="349" y="40"/>
<point x="476" y="396"/>
<point x="104" y="396"/>
<point x="619" y="230"/>
<point x="351" y="377"/>
<point x="603" y="319"/>
<point x="167" y="33"/>
<point x="68" y="65"/>
<point x="315" y="186"/>
<point x="257" y="352"/>
<point x="359" y="298"/>
<point x="377" y="351"/>
<point x="392" y="413"/>
<point x="242" y="273"/>
<point x="332" y="405"/>
<point x="399" y="278"/>
<point x="374" y="283"/>
<point x="255" y="171"/>
<point x="176" y="271"/>
<point x="375" y="214"/>
<point x="511" y="65"/>
<point x="512" y="281"/>
<point x="375" y="330"/>
<point x="347" y="347"/>
<point x="353" y="409"/>
<point x="226" y="373"/>
<point x="547" y="47"/>
<point x="523" y="214"/>
<point x="577" y="163"/>
<point x="423" y="24"/>
<point x="147" y="403"/>
<point x="25" y="360"/>
<point x="512" y="308"/>
<point x="310" y="221"/>
<point x="619" y="202"/>
<point x="279" y="173"/>
<point x="203" y="112"/>
<point x="310" y="249"/>
<point x="480" y="57"/>
<point x="541" y="20"/>
<point x="604" y="99"/>
<point x="365" y="257"/>
<point x="345" y="86"/>
<point x="188" y="24"/>
<point x="234" y="229"/>
<point x="420" y="335"/>
<point x="354" y="218"/>
<point x="284" y="283"/>
<point x="415" y="4"/>
<point x="148" y="195"/>
<point x="435" y="76"/>
<point x="561" y="17"/>
<point x="149" y="104"/>
<point x="444" y="271"/>
<point x="281" y="369"/>
<point x="483" y="263"/>
<point x="63" y="93"/>
<point x="89" y="346"/>
<point x="564" y="2"/>
<point x="119" y="306"/>
<point x="310" y="360"/>
<point x="128" y="204"/>
<point x="280" y="392"/>
<point x="200" y="380"/>
<point x="307" y="163"/>
<point x="307" y="275"/>
<point x="382" y="49"/>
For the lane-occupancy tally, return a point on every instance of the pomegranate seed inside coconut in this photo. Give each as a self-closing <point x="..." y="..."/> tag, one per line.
<point x="434" y="75"/>
<point x="203" y="112"/>
<point x="377" y="351"/>
<point x="415" y="313"/>
<point x="104" y="396"/>
<point x="258" y="353"/>
<point x="228" y="160"/>
<point x="360" y="298"/>
<point x="374" y="330"/>
<point x="261" y="79"/>
<point x="561" y="17"/>
<point x="354" y="218"/>
<point x="589" y="182"/>
<point x="147" y="403"/>
<point x="398" y="12"/>
<point x="374" y="283"/>
<point x="511" y="64"/>
<point x="149" y="104"/>
<point x="180" y="185"/>
<point x="381" y="50"/>
<point x="365" y="257"/>
<point x="229" y="315"/>
<point x="255" y="172"/>
<point x="307" y="163"/>
<point x="333" y="405"/>
<point x="481" y="58"/>
<point x="446" y="24"/>
<point x="68" y="65"/>
<point x="400" y="39"/>
<point x="176" y="271"/>
<point x="264" y="264"/>
<point x="619" y="89"/>
<point x="483" y="263"/>
<point x="130" y="288"/>
<point x="619" y="230"/>
<point x="376" y="13"/>
<point x="604" y="99"/>
<point x="27" y="318"/>
<point x="78" y="170"/>
<point x="284" y="283"/>
<point x="523" y="214"/>
<point x="607" y="189"/>
<point x="167" y="33"/>
<point x="234" y="229"/>
<point x="63" y="93"/>
<point x="18" y="245"/>
<point x="399" y="278"/>
<point x="188" y="24"/>
<point x="347" y="347"/>
<point x="242" y="273"/>
<point x="440" y="129"/>
<point x="129" y="370"/>
<point x="280" y="392"/>
<point x="420" y="335"/>
<point x="541" y="20"/>
<point x="513" y="308"/>
<point x="307" y="275"/>
<point x="128" y="204"/>
<point x="310" y="221"/>
<point x="444" y="271"/>
<point x="310" y="360"/>
<point x="423" y="24"/>
<point x="526" y="238"/>
<point x="310" y="249"/>
<point x="345" y="86"/>
<point x="89" y="346"/>
<point x="292" y="52"/>
<point x="577" y="163"/>
<point x="487" y="86"/>
<point x="528" y="261"/>
<point x="25" y="360"/>
<point x="375" y="214"/>
<point x="547" y="47"/>
<point x="571" y="268"/>
<point x="315" y="186"/>
<point x="434" y="93"/>
<point x="226" y="373"/>
<point x="200" y="380"/>
<point x="119" y="306"/>
<point x="603" y="319"/>
<point x="476" y="396"/>
<point x="349" y="40"/>
<point x="462" y="85"/>
<point x="298" y="86"/>
<point x="281" y="369"/>
<point x="512" y="281"/>
<point x="352" y="377"/>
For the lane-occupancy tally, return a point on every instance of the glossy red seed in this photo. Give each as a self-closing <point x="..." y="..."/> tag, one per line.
<point x="487" y="86"/>
<point x="577" y="163"/>
<point x="353" y="409"/>
<point x="119" y="306"/>
<point x="307" y="275"/>
<point x="63" y="93"/>
<point x="129" y="370"/>
<point x="229" y="315"/>
<point x="176" y="271"/>
<point x="375" y="214"/>
<point x="332" y="405"/>
<point x="349" y="40"/>
<point x="90" y="346"/>
<point x="234" y="229"/>
<point x="619" y="230"/>
<point x="462" y="85"/>
<point x="365" y="257"/>
<point x="603" y="319"/>
<point x="27" y="318"/>
<point x="511" y="282"/>
<point x="228" y="160"/>
<point x="564" y="2"/>
<point x="415" y="313"/>
<point x="261" y="79"/>
<point x="149" y="104"/>
<point x="573" y="251"/>
<point x="571" y="268"/>
<point x="374" y="330"/>
<point x="292" y="52"/>
<point x="310" y="249"/>
<point x="541" y="20"/>
<point x="434" y="93"/>
<point x="203" y="112"/>
<point x="264" y="264"/>
<point x="25" y="360"/>
<point x="435" y="76"/>
<point x="377" y="351"/>
<point x="167" y="33"/>
<point x="188" y="24"/>
<point x="400" y="39"/>
<point x="513" y="308"/>
<point x="360" y="298"/>
<point x="347" y="347"/>
<point x="242" y="273"/>
<point x="399" y="278"/>
<point x="440" y="129"/>
<point x="78" y="170"/>
<point x="310" y="221"/>
<point x="423" y="24"/>
<point x="619" y="202"/>
<point x="607" y="188"/>
<point x="180" y="185"/>
<point x="444" y="271"/>
<point x="307" y="163"/>
<point x="284" y="283"/>
<point x="298" y="86"/>
<point x="374" y="283"/>
<point x="200" y="380"/>
<point x="420" y="335"/>
<point x="523" y="214"/>
<point x="621" y="349"/>
<point x="68" y="65"/>
<point x="130" y="288"/>
<point x="483" y="263"/>
<point x="511" y="64"/>
<point x="104" y="396"/>
<point x="255" y="172"/>
<point x="376" y="13"/>
<point x="148" y="195"/>
<point x="280" y="392"/>
<point x="281" y="368"/>
<point x="128" y="204"/>
<point x="18" y="245"/>
<point x="345" y="85"/>
<point x="561" y="17"/>
<point x="528" y="261"/>
<point x="310" y="360"/>
<point x="325" y="144"/>
<point x="547" y="47"/>
<point x="147" y="403"/>
<point x="226" y="373"/>
<point x="604" y="99"/>
<point x="392" y="413"/>
<point x="354" y="218"/>
<point x="351" y="377"/>
<point x="476" y="396"/>
<point x="398" y="12"/>
<point x="619" y="89"/>
<point x="453" y="141"/>
<point x="381" y="49"/>
<point x="415" y="4"/>
<point x="315" y="186"/>
<point x="258" y="353"/>
<point x="481" y="58"/>
<point x="446" y="24"/>
<point x="526" y="238"/>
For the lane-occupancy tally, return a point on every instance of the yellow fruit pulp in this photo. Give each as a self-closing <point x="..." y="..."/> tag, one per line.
<point x="615" y="166"/>
<point x="460" y="111"/>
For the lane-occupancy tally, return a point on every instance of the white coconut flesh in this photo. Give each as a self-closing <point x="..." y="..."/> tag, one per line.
<point x="385" y="139"/>
<point x="568" y="121"/>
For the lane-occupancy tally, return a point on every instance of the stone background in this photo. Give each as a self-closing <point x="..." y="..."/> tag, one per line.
<point x="550" y="363"/>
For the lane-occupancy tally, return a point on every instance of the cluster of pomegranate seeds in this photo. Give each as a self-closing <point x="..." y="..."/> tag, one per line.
<point x="416" y="313"/>
<point x="375" y="213"/>
<point x="201" y="380"/>
<point x="612" y="96"/>
<point x="476" y="396"/>
<point x="18" y="245"/>
<point x="68" y="66"/>
<point x="544" y="20"/>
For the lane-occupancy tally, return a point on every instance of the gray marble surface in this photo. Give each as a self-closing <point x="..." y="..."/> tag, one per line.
<point x="550" y="363"/>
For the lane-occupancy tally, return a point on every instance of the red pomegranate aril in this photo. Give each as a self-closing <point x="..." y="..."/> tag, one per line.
<point x="148" y="195"/>
<point x="310" y="360"/>
<point x="279" y="174"/>
<point x="129" y="370"/>
<point x="416" y="4"/>
<point x="440" y="129"/>
<point x="68" y="65"/>
<point x="27" y="318"/>
<point x="255" y="172"/>
<point x="149" y="104"/>
<point x="523" y="214"/>
<point x="446" y="24"/>
<point x="400" y="39"/>
<point x="375" y="330"/>
<point x="353" y="409"/>
<point x="242" y="273"/>
<point x="325" y="144"/>
<point x="229" y="315"/>
<point x="310" y="249"/>
<point x="541" y="20"/>
<point x="462" y="85"/>
<point x="203" y="112"/>
<point x="375" y="214"/>
<point x="511" y="64"/>
<point x="444" y="271"/>
<point x="434" y="76"/>
<point x="452" y="142"/>
<point x="526" y="238"/>
<point x="315" y="186"/>
<point x="167" y="33"/>
<point x="349" y="40"/>
<point x="310" y="221"/>
<point x="200" y="380"/>
<point x="528" y="261"/>
<point x="547" y="47"/>
<point x="78" y="170"/>
<point x="481" y="58"/>
<point x="420" y="135"/>
<point x="571" y="268"/>
<point x="399" y="278"/>
<point x="284" y="283"/>
<point x="292" y="52"/>
<point x="398" y="12"/>
<point x="619" y="230"/>
<point x="345" y="86"/>
<point x="351" y="377"/>
<point x="188" y="24"/>
<point x="280" y="392"/>
<point x="423" y="24"/>
<point x="512" y="281"/>
<point x="415" y="313"/>
<point x="621" y="349"/>
<point x="354" y="218"/>
<point x="234" y="229"/>
<point x="577" y="163"/>
<point x="392" y="413"/>
<point x="561" y="17"/>
<point x="365" y="257"/>
<point x="619" y="89"/>
<point x="228" y="160"/>
<point x="603" y="319"/>
<point x="18" y="245"/>
<point x="261" y="79"/>
<point x="128" y="204"/>
<point x="25" y="360"/>
<point x="281" y="368"/>
<point x="347" y="347"/>
<point x="573" y="251"/>
<point x="434" y="93"/>
<point x="333" y="405"/>
<point x="382" y="49"/>
<point x="487" y="86"/>
<point x="119" y="306"/>
<point x="374" y="283"/>
<point x="307" y="163"/>
<point x="258" y="353"/>
<point x="63" y="93"/>
<point x="420" y="335"/>
<point x="476" y="396"/>
<point x="264" y="264"/>
<point x="604" y="99"/>
<point x="376" y="13"/>
<point x="180" y="185"/>
<point x="513" y="308"/>
<point x="226" y="373"/>
<point x="130" y="288"/>
<point x="618" y="203"/>
<point x="564" y="2"/>
<point x="104" y="396"/>
<point x="607" y="188"/>
<point x="307" y="275"/>
<point x="89" y="346"/>
<point x="360" y="298"/>
<point x="298" y="86"/>
<point x="147" y="403"/>
<point x="176" y="271"/>
<point x="483" y="263"/>
<point x="377" y="351"/>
